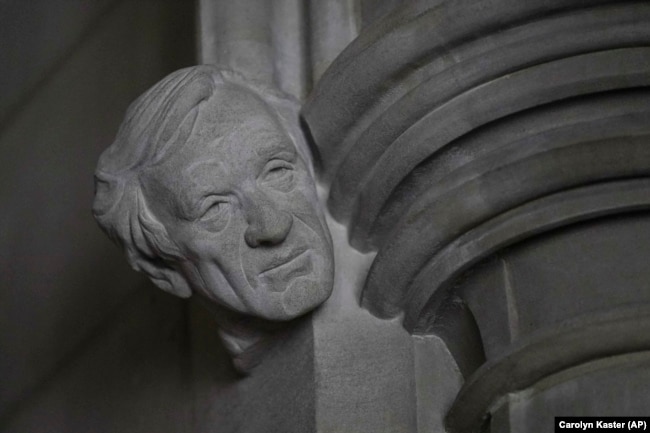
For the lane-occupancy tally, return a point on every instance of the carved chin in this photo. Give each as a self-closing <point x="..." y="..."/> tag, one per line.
<point x="304" y="293"/>
<point x="279" y="278"/>
<point x="293" y="286"/>
<point x="296" y="297"/>
<point x="302" y="296"/>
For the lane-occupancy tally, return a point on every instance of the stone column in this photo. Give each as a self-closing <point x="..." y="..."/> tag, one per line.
<point x="283" y="43"/>
<point x="495" y="157"/>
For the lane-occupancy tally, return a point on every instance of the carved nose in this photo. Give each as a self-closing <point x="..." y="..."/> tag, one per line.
<point x="267" y="225"/>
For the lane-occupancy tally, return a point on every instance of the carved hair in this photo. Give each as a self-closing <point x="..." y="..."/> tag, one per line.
<point x="162" y="119"/>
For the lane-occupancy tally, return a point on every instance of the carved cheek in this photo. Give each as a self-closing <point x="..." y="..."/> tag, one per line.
<point x="221" y="263"/>
<point x="303" y="205"/>
<point x="229" y="242"/>
<point x="210" y="246"/>
<point x="303" y="194"/>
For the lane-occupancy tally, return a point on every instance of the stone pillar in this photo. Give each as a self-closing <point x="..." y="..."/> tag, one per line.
<point x="495" y="157"/>
<point x="264" y="40"/>
<point x="283" y="43"/>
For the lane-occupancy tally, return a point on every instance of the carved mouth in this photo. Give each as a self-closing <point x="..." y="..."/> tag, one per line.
<point x="282" y="261"/>
<point x="279" y="273"/>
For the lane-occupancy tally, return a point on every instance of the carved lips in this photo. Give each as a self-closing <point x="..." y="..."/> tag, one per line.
<point x="297" y="265"/>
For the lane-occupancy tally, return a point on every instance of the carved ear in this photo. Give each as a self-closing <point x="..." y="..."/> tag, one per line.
<point x="163" y="276"/>
<point x="155" y="253"/>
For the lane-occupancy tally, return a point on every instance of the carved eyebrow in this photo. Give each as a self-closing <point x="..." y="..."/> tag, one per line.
<point x="214" y="163"/>
<point x="282" y="147"/>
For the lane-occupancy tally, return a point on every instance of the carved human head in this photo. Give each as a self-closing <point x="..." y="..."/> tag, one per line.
<point x="208" y="188"/>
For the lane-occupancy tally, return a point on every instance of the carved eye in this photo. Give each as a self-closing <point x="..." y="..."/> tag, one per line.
<point x="278" y="174"/>
<point x="216" y="213"/>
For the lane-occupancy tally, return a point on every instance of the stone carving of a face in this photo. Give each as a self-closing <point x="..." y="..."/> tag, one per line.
<point x="215" y="196"/>
<point x="241" y="205"/>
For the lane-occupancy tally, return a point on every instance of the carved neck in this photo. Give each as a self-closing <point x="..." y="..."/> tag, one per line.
<point x="245" y="338"/>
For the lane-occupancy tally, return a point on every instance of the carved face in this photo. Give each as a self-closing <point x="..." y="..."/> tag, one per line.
<point x="239" y="202"/>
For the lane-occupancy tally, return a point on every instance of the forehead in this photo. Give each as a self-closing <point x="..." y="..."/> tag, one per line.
<point x="235" y="133"/>
<point x="232" y="125"/>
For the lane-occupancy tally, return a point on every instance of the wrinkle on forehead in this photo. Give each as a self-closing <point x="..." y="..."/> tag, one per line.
<point x="249" y="124"/>
<point x="234" y="118"/>
<point x="199" y="168"/>
<point x="228" y="109"/>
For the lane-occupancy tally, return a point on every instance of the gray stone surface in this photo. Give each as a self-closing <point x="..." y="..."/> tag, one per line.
<point x="544" y="292"/>
<point x="437" y="381"/>
<point x="587" y="337"/>
<point x="401" y="153"/>
<point x="374" y="10"/>
<point x="364" y="366"/>
<point x="240" y="36"/>
<point x="487" y="159"/>
<point x="450" y="131"/>
<point x="332" y="25"/>
<point x="279" y="395"/>
<point x="337" y="370"/>
<point x="537" y="316"/>
<point x="286" y="44"/>
<point x="616" y="386"/>
<point x="214" y="235"/>
<point x="208" y="188"/>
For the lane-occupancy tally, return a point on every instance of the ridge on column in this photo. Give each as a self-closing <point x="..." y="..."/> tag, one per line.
<point x="495" y="156"/>
<point x="445" y="114"/>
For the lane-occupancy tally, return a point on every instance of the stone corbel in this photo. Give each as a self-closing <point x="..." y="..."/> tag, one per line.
<point x="209" y="190"/>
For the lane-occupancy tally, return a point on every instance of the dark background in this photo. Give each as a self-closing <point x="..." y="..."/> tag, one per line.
<point x="82" y="337"/>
